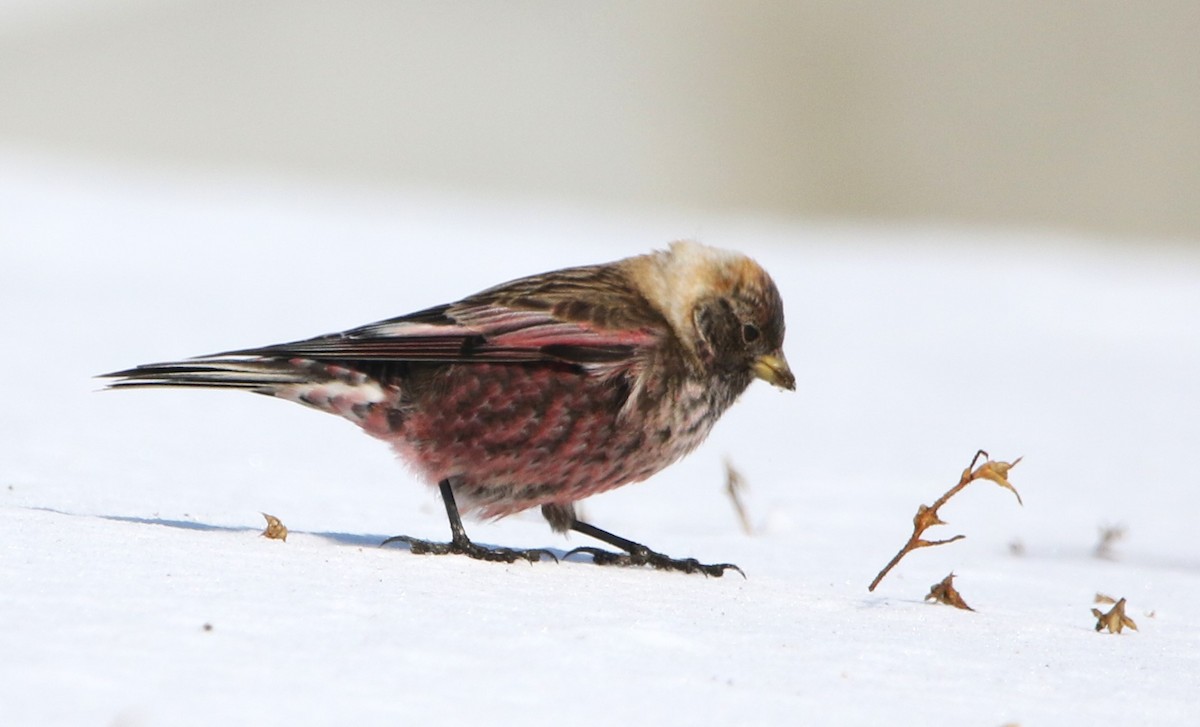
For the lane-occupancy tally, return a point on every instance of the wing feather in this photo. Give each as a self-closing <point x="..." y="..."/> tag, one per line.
<point x="586" y="316"/>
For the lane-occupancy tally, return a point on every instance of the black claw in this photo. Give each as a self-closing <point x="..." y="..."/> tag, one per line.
<point x="645" y="556"/>
<point x="638" y="554"/>
<point x="460" y="544"/>
<point x="471" y="550"/>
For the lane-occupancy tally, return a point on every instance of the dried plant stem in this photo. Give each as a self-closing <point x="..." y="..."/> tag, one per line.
<point x="927" y="516"/>
<point x="908" y="548"/>
<point x="735" y="484"/>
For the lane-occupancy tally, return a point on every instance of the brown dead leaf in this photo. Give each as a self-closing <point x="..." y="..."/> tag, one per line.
<point x="946" y="593"/>
<point x="276" y="530"/>
<point x="1115" y="620"/>
<point x="998" y="472"/>
<point x="1105" y="598"/>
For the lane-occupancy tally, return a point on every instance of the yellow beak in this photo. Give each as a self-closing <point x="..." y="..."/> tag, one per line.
<point x="773" y="368"/>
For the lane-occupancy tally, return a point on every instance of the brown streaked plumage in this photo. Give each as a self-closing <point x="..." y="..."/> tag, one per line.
<point x="540" y="391"/>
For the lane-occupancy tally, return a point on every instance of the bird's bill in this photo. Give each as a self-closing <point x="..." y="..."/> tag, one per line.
<point x="773" y="368"/>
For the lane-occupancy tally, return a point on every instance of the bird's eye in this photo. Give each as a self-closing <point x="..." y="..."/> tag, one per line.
<point x="750" y="333"/>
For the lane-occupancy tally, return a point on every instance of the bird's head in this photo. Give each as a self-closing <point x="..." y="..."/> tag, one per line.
<point x="724" y="308"/>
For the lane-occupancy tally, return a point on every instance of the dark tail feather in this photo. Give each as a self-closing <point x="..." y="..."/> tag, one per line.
<point x="263" y="376"/>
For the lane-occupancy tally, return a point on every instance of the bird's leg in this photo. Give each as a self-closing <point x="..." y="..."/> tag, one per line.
<point x="638" y="554"/>
<point x="460" y="543"/>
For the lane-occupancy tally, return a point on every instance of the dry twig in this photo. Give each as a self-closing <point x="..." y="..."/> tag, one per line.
<point x="1109" y="535"/>
<point x="927" y="516"/>
<point x="735" y="485"/>
<point x="1114" y="620"/>
<point x="945" y="592"/>
<point x="276" y="530"/>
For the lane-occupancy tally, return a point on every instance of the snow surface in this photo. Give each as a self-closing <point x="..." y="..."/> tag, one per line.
<point x="129" y="520"/>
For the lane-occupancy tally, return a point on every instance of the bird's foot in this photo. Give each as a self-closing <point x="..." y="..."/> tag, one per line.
<point x="463" y="546"/>
<point x="644" y="556"/>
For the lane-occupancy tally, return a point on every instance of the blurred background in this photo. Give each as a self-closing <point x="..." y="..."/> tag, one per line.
<point x="1074" y="116"/>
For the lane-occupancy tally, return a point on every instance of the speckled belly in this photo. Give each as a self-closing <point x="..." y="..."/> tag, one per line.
<point x="514" y="436"/>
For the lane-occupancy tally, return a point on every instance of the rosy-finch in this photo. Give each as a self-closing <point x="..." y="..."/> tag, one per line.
<point x="538" y="392"/>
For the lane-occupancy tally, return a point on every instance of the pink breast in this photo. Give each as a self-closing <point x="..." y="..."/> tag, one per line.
<point x="515" y="436"/>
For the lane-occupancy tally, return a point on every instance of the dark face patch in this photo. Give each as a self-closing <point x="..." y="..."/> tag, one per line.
<point x="738" y="328"/>
<point x="721" y="334"/>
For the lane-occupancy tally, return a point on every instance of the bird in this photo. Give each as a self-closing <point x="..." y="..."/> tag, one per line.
<point x="538" y="392"/>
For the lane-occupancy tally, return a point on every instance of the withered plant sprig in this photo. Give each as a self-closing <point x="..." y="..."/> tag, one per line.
<point x="927" y="515"/>
<point x="1115" y="620"/>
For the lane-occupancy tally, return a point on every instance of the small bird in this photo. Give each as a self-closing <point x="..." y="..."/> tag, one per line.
<point x="538" y="392"/>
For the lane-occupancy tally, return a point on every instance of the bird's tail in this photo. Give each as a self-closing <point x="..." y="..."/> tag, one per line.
<point x="260" y="375"/>
<point x="326" y="386"/>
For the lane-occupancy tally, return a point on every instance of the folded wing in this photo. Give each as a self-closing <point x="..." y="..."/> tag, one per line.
<point x="581" y="316"/>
